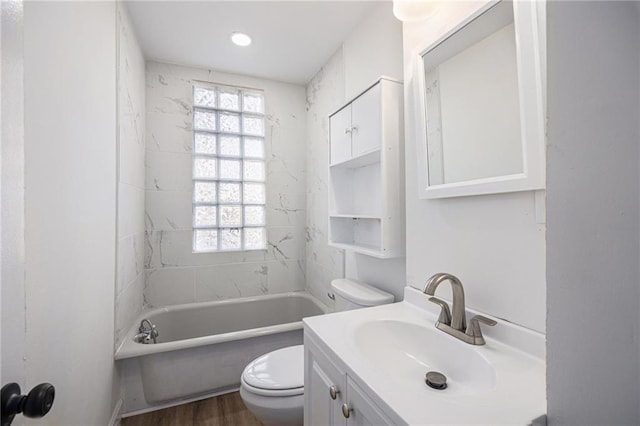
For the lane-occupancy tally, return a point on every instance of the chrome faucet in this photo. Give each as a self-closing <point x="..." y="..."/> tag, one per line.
<point x="147" y="332"/>
<point x="453" y="321"/>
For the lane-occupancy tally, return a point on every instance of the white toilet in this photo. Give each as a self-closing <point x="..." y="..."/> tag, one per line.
<point x="272" y="386"/>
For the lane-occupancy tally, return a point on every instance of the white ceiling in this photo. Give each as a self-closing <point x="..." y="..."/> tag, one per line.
<point x="291" y="39"/>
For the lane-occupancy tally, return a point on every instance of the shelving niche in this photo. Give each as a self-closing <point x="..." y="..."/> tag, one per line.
<point x="366" y="174"/>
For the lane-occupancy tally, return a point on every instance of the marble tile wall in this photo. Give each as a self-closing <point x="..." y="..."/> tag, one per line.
<point x="131" y="183"/>
<point x="174" y="274"/>
<point x="325" y="94"/>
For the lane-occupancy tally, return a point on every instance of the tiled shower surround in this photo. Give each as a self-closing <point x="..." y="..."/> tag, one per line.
<point x="131" y="151"/>
<point x="325" y="94"/>
<point x="174" y="273"/>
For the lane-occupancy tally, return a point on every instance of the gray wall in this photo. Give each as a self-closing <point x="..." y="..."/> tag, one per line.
<point x="592" y="213"/>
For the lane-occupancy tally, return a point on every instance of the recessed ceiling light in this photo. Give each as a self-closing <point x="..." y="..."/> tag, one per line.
<point x="241" y="39"/>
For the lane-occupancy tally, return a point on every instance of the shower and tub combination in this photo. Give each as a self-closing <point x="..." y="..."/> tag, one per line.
<point x="202" y="348"/>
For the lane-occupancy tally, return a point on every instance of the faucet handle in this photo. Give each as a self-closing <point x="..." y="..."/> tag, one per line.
<point x="445" y="313"/>
<point x="474" y="331"/>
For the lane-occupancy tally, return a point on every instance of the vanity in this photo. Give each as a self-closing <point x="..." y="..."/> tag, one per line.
<point x="368" y="366"/>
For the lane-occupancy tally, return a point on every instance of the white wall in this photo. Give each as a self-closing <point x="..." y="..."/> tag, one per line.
<point x="373" y="48"/>
<point x="593" y="374"/>
<point x="70" y="203"/>
<point x="492" y="243"/>
<point x="131" y="180"/>
<point x="174" y="273"/>
<point x="12" y="191"/>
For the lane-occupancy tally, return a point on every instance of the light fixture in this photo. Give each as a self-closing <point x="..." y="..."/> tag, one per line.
<point x="413" y="10"/>
<point x="240" y="39"/>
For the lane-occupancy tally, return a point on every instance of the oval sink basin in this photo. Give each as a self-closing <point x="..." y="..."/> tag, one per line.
<point x="406" y="352"/>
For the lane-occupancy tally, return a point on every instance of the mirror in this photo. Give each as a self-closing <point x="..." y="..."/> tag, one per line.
<point x="481" y="105"/>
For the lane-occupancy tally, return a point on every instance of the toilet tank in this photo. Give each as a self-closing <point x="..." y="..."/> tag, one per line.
<point x="351" y="294"/>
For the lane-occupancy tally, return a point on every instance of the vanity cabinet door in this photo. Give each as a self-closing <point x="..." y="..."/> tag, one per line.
<point x="363" y="411"/>
<point x="340" y="135"/>
<point x="320" y="409"/>
<point x="366" y="121"/>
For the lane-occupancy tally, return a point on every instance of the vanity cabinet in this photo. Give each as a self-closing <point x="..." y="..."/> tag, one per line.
<point x="366" y="172"/>
<point x="332" y="397"/>
<point x="322" y="379"/>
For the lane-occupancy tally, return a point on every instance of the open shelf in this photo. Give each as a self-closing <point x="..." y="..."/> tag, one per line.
<point x="361" y="248"/>
<point x="350" y="232"/>
<point x="354" y="216"/>
<point x="356" y="192"/>
<point x="365" y="159"/>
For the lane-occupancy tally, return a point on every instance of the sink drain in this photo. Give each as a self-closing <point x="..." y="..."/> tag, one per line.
<point x="436" y="380"/>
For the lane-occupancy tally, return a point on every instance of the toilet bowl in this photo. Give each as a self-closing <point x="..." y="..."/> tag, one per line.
<point x="272" y="385"/>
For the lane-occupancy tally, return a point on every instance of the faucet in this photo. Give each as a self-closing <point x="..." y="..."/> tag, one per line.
<point x="453" y="322"/>
<point x="458" y="320"/>
<point x="147" y="332"/>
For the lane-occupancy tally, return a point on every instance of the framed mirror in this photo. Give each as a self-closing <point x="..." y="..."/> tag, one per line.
<point x="480" y="104"/>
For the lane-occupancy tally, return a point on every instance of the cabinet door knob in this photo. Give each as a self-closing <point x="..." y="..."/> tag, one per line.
<point x="354" y="129"/>
<point x="347" y="131"/>
<point x="333" y="392"/>
<point x="346" y="411"/>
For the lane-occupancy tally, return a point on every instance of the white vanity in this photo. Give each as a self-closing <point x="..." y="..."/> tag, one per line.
<point x="368" y="366"/>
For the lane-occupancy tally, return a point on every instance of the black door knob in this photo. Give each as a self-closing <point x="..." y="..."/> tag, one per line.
<point x="35" y="404"/>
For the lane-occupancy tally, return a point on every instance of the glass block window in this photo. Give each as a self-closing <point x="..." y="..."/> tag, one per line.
<point x="228" y="169"/>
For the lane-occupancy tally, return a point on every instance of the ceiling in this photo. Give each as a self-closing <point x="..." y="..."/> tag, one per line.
<point x="291" y="39"/>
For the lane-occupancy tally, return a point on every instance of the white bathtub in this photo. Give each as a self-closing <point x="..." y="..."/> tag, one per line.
<point x="203" y="347"/>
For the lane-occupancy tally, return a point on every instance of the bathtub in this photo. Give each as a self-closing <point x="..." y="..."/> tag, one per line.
<point x="202" y="348"/>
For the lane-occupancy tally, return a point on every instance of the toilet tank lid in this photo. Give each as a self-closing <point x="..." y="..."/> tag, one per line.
<point x="360" y="293"/>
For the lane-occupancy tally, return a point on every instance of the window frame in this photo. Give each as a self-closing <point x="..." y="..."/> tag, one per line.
<point x="240" y="156"/>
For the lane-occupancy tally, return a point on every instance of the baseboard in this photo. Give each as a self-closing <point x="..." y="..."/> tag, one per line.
<point x="178" y="402"/>
<point x="115" y="416"/>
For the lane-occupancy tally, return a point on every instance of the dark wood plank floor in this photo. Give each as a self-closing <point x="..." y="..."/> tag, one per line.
<point x="223" y="410"/>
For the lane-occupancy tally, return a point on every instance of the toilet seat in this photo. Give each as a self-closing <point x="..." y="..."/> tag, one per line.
<point x="277" y="373"/>
<point x="272" y="392"/>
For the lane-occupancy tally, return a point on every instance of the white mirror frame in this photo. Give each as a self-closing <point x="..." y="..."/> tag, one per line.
<point x="530" y="51"/>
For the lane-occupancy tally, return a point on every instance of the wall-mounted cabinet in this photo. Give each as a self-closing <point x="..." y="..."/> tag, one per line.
<point x="366" y="172"/>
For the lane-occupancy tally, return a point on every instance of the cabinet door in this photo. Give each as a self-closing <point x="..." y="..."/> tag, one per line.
<point x="366" y="121"/>
<point x="340" y="135"/>
<point x="364" y="411"/>
<point x="320" y="375"/>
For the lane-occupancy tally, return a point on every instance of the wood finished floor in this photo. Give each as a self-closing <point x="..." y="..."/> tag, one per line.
<point x="223" y="410"/>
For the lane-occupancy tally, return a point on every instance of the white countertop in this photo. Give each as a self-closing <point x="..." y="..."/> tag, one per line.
<point x="515" y="397"/>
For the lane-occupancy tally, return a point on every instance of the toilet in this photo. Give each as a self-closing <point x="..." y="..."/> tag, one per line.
<point x="272" y="385"/>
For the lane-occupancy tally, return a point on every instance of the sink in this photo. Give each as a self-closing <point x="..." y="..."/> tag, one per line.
<point x="406" y="351"/>
<point x="387" y="350"/>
